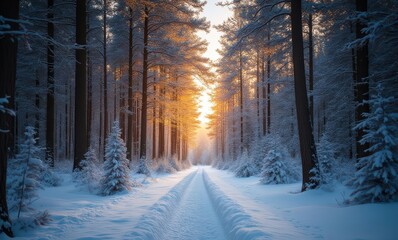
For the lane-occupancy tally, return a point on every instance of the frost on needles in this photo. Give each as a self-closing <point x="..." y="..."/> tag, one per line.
<point x="116" y="165"/>
<point x="376" y="179"/>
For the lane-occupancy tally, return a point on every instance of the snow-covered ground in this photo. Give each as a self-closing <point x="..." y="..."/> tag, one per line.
<point x="205" y="203"/>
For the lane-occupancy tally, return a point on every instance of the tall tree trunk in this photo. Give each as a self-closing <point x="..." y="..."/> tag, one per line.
<point x="81" y="86"/>
<point x="154" y="123"/>
<point x="311" y="67"/>
<point x="105" y="70"/>
<point x="37" y="104"/>
<point x="130" y="91"/>
<point x="264" y="93"/>
<point x="50" y="85"/>
<point x="90" y="86"/>
<point x="269" y="84"/>
<point x="122" y="105"/>
<point x="241" y="99"/>
<point x="144" y="88"/>
<point x="8" y="68"/>
<point x="173" y="130"/>
<point x="307" y="144"/>
<point x="161" y="142"/>
<point x="258" y="91"/>
<point x="362" y="82"/>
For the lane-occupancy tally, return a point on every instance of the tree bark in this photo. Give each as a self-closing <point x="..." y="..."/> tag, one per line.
<point x="306" y="138"/>
<point x="269" y="84"/>
<point x="258" y="90"/>
<point x="105" y="72"/>
<point x="264" y="93"/>
<point x="130" y="91"/>
<point x="50" y="85"/>
<point x="362" y="82"/>
<point x="154" y="122"/>
<point x="144" y="88"/>
<point x="8" y="63"/>
<point x="311" y="67"/>
<point x="241" y="99"/>
<point x="161" y="142"/>
<point x="81" y="86"/>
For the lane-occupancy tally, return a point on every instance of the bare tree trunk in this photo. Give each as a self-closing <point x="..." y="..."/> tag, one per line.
<point x="90" y="86"/>
<point x="8" y="62"/>
<point x="122" y="111"/>
<point x="264" y="93"/>
<point x="307" y="144"/>
<point x="311" y="67"/>
<point x="81" y="86"/>
<point x="154" y="123"/>
<point x="173" y="130"/>
<point x="258" y="91"/>
<point x="241" y="99"/>
<point x="130" y="122"/>
<point x="269" y="84"/>
<point x="362" y="81"/>
<point x="37" y="104"/>
<point x="50" y="85"/>
<point x="144" y="88"/>
<point x="161" y="142"/>
<point x="105" y="71"/>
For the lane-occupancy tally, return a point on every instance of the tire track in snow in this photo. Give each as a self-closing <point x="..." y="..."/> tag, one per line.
<point x="152" y="225"/>
<point x="237" y="223"/>
<point x="195" y="217"/>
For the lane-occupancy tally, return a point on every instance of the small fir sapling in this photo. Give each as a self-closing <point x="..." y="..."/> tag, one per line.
<point x="376" y="179"/>
<point x="143" y="167"/>
<point x="116" y="166"/>
<point x="90" y="172"/>
<point x="276" y="170"/>
<point x="26" y="174"/>
<point x="246" y="167"/>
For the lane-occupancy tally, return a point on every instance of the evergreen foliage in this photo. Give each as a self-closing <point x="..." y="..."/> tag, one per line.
<point x="376" y="179"/>
<point x="246" y="167"/>
<point x="90" y="173"/>
<point x="276" y="170"/>
<point x="116" y="165"/>
<point x="25" y="173"/>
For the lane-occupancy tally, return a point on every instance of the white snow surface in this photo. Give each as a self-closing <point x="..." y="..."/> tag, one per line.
<point x="205" y="203"/>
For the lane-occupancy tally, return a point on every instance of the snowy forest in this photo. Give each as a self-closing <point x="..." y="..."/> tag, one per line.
<point x="101" y="106"/>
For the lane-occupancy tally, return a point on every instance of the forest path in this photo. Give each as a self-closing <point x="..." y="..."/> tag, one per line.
<point x="197" y="208"/>
<point x="195" y="217"/>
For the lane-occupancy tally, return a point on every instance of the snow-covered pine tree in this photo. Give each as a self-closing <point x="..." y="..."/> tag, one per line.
<point x="90" y="173"/>
<point x="26" y="174"/>
<point x="275" y="170"/>
<point x="116" y="165"/>
<point x="246" y="166"/>
<point x="376" y="179"/>
<point x="143" y="167"/>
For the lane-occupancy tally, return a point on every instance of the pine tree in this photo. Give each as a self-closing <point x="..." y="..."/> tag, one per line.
<point x="275" y="170"/>
<point x="90" y="172"/>
<point x="26" y="174"/>
<point x="376" y="179"/>
<point x="116" y="165"/>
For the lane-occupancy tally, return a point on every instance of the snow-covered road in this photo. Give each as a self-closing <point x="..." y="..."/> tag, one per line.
<point x="205" y="203"/>
<point x="197" y="210"/>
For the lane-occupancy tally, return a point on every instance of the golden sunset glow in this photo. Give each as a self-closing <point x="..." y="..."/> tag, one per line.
<point x="216" y="15"/>
<point x="205" y="104"/>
